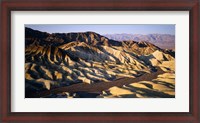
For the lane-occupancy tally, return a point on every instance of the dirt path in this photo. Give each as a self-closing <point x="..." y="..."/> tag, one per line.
<point x="99" y="87"/>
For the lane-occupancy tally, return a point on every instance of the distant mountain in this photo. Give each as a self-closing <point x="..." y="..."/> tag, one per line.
<point x="63" y="59"/>
<point x="165" y="41"/>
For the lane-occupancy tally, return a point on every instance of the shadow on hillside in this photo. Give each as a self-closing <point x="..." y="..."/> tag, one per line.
<point x="149" y="93"/>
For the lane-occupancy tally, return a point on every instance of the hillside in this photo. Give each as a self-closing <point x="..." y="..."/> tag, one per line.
<point x="66" y="60"/>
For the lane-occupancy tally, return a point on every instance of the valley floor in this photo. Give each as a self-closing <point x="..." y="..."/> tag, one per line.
<point x="150" y="85"/>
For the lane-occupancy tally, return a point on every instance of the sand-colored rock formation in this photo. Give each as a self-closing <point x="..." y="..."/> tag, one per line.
<point x="53" y="61"/>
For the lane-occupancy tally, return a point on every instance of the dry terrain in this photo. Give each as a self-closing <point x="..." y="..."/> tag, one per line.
<point x="88" y="65"/>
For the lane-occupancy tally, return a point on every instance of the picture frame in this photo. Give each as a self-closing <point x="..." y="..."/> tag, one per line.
<point x="7" y="6"/>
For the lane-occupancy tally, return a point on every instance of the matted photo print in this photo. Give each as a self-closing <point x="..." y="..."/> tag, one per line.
<point x="99" y="61"/>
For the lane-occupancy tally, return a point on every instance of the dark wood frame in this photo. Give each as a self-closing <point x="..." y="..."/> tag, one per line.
<point x="193" y="116"/>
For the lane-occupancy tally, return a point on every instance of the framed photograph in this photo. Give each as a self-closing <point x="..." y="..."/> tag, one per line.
<point x="100" y="61"/>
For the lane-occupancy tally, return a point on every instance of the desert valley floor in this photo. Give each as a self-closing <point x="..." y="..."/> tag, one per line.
<point x="89" y="65"/>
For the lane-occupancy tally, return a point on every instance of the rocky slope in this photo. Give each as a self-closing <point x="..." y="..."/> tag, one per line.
<point x="57" y="60"/>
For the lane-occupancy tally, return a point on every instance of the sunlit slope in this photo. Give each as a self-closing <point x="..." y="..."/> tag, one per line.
<point x="59" y="60"/>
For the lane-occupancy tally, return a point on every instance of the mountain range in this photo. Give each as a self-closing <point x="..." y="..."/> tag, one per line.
<point x="87" y="64"/>
<point x="165" y="41"/>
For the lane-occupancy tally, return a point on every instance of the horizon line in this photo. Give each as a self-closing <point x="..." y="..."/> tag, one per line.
<point x="102" y="34"/>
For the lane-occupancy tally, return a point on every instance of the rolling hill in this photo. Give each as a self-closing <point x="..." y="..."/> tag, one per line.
<point x="65" y="60"/>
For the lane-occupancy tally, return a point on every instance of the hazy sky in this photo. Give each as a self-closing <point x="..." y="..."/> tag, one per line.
<point x="105" y="29"/>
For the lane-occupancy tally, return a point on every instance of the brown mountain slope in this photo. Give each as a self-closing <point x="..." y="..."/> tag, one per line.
<point x="63" y="59"/>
